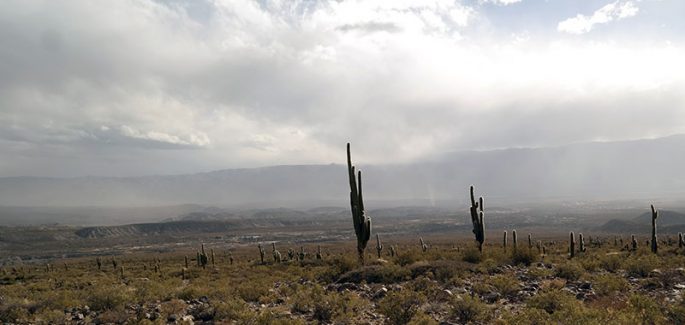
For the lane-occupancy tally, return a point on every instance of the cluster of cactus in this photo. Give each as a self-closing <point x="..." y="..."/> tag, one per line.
<point x="275" y="253"/>
<point x="424" y="247"/>
<point x="302" y="254"/>
<point x="318" y="253"/>
<point x="202" y="258"/>
<point x="379" y="246"/>
<point x="362" y="223"/>
<point x="655" y="244"/>
<point x="477" y="220"/>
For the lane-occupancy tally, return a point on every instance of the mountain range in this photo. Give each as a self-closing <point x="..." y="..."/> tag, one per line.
<point x="585" y="171"/>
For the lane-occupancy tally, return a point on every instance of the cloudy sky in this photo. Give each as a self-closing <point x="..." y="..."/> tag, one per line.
<point x="136" y="87"/>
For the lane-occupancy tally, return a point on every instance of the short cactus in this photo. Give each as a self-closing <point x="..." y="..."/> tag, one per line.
<point x="261" y="253"/>
<point x="530" y="242"/>
<point x="572" y="245"/>
<point x="393" y="252"/>
<point x="515" y="239"/>
<point x="581" y="243"/>
<point x="379" y="246"/>
<point x="633" y="242"/>
<point x="276" y="254"/>
<point x="424" y="247"/>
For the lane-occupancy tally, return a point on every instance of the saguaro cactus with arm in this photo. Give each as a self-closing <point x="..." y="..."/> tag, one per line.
<point x="655" y="244"/>
<point x="477" y="220"/>
<point x="362" y="223"/>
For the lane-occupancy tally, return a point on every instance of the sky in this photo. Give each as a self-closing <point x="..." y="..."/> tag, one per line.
<point x="138" y="87"/>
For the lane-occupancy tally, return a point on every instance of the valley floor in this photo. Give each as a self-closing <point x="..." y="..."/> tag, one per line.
<point x="450" y="283"/>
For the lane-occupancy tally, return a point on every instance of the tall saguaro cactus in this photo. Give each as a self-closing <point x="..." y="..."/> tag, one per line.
<point x="504" y="241"/>
<point x="477" y="219"/>
<point x="582" y="243"/>
<point x="655" y="244"/>
<point x="362" y="223"/>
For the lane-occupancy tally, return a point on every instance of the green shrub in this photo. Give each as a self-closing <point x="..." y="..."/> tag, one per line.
<point x="523" y="256"/>
<point x="506" y="285"/>
<point x="611" y="263"/>
<point x="472" y="255"/>
<point x="234" y="310"/>
<point x="468" y="309"/>
<point x="528" y="316"/>
<point x="640" y="266"/>
<point x="108" y="298"/>
<point x="607" y="284"/>
<point x="400" y="307"/>
<point x="569" y="271"/>
<point x="646" y="309"/>
<point x="552" y="301"/>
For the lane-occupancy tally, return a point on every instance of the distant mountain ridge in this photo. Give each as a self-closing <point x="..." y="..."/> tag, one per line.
<point x="610" y="170"/>
<point x="667" y="222"/>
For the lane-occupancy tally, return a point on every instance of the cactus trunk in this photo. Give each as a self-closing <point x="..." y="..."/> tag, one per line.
<point x="572" y="245"/>
<point x="655" y="244"/>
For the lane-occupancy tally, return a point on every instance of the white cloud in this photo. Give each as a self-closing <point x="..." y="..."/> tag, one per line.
<point x="501" y="2"/>
<point x="613" y="11"/>
<point x="246" y="83"/>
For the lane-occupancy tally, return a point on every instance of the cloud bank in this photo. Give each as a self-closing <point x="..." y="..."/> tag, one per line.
<point x="139" y="86"/>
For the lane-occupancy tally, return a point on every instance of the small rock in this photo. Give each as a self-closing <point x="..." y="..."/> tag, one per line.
<point x="655" y="272"/>
<point x="172" y="318"/>
<point x="679" y="286"/>
<point x="380" y="293"/>
<point x="491" y="297"/>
